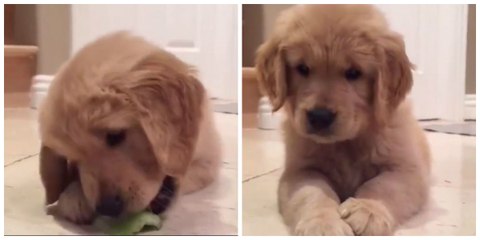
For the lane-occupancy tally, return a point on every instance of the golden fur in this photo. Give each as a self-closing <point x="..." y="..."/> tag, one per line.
<point x="121" y="82"/>
<point x="370" y="171"/>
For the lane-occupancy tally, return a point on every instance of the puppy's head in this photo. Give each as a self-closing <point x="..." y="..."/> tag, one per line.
<point x="337" y="70"/>
<point x="123" y="116"/>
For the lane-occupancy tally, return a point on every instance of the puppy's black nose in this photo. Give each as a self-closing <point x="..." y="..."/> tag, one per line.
<point x="110" y="206"/>
<point x="320" y="118"/>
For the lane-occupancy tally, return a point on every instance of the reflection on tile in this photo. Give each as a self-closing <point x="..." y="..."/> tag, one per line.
<point x="263" y="152"/>
<point x="450" y="211"/>
<point x="212" y="211"/>
<point x="227" y="126"/>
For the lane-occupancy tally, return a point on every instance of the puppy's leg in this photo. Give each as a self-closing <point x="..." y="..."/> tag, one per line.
<point x="72" y="205"/>
<point x="383" y="202"/>
<point x="309" y="205"/>
<point x="200" y="174"/>
<point x="205" y="165"/>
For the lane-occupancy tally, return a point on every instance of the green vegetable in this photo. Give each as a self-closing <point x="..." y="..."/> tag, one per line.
<point x="128" y="225"/>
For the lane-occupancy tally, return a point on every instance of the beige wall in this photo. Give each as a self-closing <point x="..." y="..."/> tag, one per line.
<point x="471" y="50"/>
<point x="258" y="21"/>
<point x="48" y="27"/>
<point x="25" y="24"/>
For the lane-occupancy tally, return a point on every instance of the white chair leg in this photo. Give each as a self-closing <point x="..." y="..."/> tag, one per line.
<point x="39" y="89"/>
<point x="267" y="120"/>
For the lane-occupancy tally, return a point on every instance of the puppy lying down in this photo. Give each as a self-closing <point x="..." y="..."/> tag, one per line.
<point x="126" y="127"/>
<point x="356" y="160"/>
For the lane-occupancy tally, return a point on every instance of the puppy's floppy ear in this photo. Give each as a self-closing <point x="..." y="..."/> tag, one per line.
<point x="169" y="98"/>
<point x="271" y="72"/>
<point x="395" y="76"/>
<point x="55" y="173"/>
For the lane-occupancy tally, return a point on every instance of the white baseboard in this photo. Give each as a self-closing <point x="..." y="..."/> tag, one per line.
<point x="470" y="106"/>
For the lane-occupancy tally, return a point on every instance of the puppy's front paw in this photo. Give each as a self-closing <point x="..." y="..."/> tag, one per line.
<point x="72" y="205"/>
<point x="326" y="223"/>
<point x="367" y="217"/>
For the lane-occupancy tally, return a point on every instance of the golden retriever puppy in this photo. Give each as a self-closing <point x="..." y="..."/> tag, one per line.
<point x="357" y="163"/>
<point x="125" y="127"/>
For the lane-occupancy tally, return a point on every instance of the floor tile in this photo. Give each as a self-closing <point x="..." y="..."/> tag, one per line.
<point x="260" y="214"/>
<point x="21" y="134"/>
<point x="264" y="151"/>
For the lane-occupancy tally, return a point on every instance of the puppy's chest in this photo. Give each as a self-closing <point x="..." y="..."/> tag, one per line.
<point x="345" y="170"/>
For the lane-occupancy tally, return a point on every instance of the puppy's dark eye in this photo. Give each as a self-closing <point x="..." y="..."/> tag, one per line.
<point x="303" y="69"/>
<point x="115" y="138"/>
<point x="352" y="74"/>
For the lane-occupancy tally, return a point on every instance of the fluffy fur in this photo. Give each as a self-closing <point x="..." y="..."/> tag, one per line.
<point x="123" y="83"/>
<point x="369" y="171"/>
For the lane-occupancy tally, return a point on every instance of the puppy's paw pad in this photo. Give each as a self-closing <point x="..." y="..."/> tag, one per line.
<point x="329" y="224"/>
<point x="367" y="217"/>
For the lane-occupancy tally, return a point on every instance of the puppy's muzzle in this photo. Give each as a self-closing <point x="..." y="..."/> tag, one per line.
<point x="320" y="119"/>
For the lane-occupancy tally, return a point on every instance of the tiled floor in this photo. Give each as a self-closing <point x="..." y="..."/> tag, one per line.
<point x="450" y="211"/>
<point x="210" y="211"/>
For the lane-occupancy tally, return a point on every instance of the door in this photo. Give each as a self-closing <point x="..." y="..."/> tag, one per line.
<point x="435" y="38"/>
<point x="202" y="35"/>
